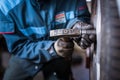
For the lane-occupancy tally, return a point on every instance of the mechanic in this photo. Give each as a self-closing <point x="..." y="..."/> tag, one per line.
<point x="25" y="24"/>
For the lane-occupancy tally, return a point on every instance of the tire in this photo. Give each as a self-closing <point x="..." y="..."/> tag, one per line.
<point x="108" y="45"/>
<point x="110" y="38"/>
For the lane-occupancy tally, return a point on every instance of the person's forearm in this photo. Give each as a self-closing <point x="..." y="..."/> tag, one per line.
<point x="36" y="51"/>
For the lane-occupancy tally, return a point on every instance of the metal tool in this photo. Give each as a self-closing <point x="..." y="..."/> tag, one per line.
<point x="70" y="32"/>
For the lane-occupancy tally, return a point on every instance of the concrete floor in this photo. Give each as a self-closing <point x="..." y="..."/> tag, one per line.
<point x="80" y="72"/>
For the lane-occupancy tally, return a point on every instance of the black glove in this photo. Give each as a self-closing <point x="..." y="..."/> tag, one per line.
<point x="87" y="40"/>
<point x="64" y="47"/>
<point x="84" y="40"/>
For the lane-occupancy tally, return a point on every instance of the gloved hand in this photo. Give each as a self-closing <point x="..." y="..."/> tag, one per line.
<point x="64" y="47"/>
<point x="84" y="40"/>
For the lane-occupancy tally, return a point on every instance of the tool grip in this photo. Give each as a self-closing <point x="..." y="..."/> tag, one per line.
<point x="70" y="32"/>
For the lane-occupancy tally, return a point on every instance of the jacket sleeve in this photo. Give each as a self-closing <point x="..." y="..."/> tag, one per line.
<point x="81" y="13"/>
<point x="37" y="51"/>
<point x="6" y="24"/>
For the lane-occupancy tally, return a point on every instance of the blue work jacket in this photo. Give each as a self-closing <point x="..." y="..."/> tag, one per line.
<point x="25" y="24"/>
